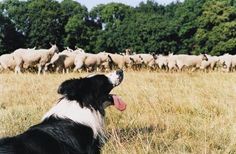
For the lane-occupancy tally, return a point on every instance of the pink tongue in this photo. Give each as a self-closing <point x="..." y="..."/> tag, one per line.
<point x="119" y="104"/>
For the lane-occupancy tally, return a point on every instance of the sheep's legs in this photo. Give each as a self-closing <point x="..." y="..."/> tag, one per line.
<point x="39" y="69"/>
<point x="17" y="70"/>
<point x="77" y="69"/>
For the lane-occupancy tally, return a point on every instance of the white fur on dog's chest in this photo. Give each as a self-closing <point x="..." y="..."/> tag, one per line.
<point x="73" y="111"/>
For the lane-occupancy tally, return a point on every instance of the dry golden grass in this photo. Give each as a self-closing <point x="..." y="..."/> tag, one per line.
<point x="166" y="112"/>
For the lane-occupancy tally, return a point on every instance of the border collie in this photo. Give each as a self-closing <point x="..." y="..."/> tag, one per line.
<point x="75" y="124"/>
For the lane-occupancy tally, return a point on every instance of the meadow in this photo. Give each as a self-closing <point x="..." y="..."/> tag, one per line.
<point x="166" y="113"/>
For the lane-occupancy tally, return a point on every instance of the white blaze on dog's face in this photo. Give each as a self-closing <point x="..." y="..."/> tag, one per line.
<point x="115" y="77"/>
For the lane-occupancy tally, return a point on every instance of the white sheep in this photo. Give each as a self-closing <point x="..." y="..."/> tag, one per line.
<point x="137" y="61"/>
<point x="148" y="60"/>
<point x="62" y="62"/>
<point x="38" y="57"/>
<point x="228" y="62"/>
<point x="116" y="60"/>
<point x="190" y="61"/>
<point x="210" y="63"/>
<point x="7" y="62"/>
<point x="88" y="61"/>
<point x="162" y="61"/>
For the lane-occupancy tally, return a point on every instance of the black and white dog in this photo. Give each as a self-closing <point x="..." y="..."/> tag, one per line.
<point x="75" y="124"/>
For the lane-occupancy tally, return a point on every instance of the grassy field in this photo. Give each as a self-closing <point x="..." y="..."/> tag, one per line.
<point x="166" y="112"/>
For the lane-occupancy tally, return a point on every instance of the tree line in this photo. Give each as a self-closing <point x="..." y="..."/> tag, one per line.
<point x="190" y="27"/>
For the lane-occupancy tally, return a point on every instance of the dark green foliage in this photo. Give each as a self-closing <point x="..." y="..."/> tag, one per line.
<point x="216" y="32"/>
<point x="10" y="39"/>
<point x="191" y="27"/>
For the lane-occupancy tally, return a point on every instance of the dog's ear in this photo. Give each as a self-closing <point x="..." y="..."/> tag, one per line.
<point x="69" y="87"/>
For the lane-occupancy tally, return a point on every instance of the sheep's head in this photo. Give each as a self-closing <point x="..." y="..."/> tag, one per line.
<point x="54" y="48"/>
<point x="204" y="57"/>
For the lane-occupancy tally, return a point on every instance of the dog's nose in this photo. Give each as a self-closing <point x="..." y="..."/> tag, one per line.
<point x="119" y="72"/>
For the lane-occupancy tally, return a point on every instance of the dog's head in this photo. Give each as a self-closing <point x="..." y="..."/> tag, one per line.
<point x="93" y="91"/>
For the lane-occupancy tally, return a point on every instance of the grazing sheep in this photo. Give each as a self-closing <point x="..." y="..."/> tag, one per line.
<point x="92" y="62"/>
<point x="228" y="62"/>
<point x="225" y="62"/>
<point x="210" y="63"/>
<point x="7" y="62"/>
<point x="62" y="61"/>
<point x="67" y="59"/>
<point x="137" y="61"/>
<point x="116" y="60"/>
<point x="190" y="61"/>
<point x="129" y="62"/>
<point x="124" y="61"/>
<point x="172" y="62"/>
<point x="104" y="65"/>
<point x="88" y="61"/>
<point x="79" y="62"/>
<point x="40" y="57"/>
<point x="162" y="61"/>
<point x="148" y="60"/>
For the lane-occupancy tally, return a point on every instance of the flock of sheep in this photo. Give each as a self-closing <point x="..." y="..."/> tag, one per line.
<point x="51" y="60"/>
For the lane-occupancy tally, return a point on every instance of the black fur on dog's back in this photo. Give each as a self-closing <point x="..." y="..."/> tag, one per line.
<point x="73" y="125"/>
<point x="53" y="136"/>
